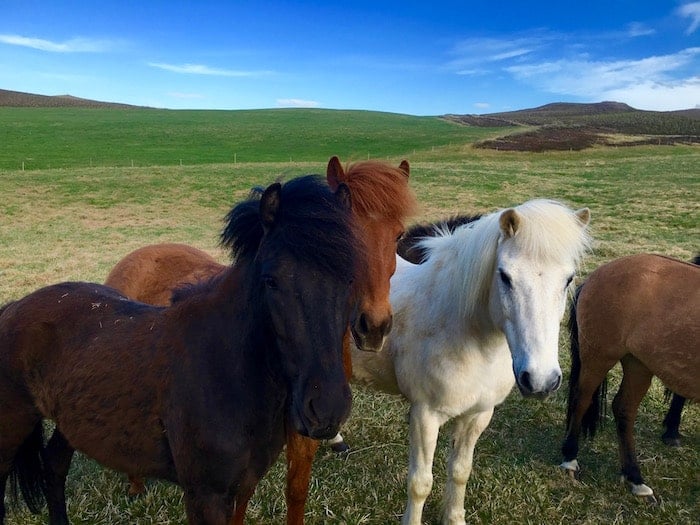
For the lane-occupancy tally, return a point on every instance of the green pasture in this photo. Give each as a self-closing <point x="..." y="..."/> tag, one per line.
<point x="74" y="222"/>
<point x="39" y="138"/>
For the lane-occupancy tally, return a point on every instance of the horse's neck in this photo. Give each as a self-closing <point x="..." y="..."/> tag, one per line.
<point x="435" y="293"/>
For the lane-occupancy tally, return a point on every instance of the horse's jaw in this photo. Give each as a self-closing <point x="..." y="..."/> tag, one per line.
<point x="317" y="414"/>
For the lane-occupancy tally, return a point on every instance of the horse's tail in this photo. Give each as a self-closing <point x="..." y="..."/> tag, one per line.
<point x="27" y="475"/>
<point x="595" y="413"/>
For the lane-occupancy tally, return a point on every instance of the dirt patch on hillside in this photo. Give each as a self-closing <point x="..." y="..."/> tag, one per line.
<point x="576" y="139"/>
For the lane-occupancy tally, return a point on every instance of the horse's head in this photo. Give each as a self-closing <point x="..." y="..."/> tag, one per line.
<point x="538" y="250"/>
<point x="304" y="265"/>
<point x="381" y="201"/>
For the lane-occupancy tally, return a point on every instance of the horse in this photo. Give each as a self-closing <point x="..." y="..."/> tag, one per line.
<point x="641" y="311"/>
<point x="672" y="421"/>
<point x="201" y="393"/>
<point x="479" y="315"/>
<point x="381" y="201"/>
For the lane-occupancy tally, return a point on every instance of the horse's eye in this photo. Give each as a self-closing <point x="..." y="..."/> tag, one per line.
<point x="569" y="280"/>
<point x="270" y="282"/>
<point x="400" y="236"/>
<point x="505" y="279"/>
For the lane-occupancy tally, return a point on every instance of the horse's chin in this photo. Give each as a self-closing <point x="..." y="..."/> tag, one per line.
<point x="537" y="396"/>
<point x="308" y="429"/>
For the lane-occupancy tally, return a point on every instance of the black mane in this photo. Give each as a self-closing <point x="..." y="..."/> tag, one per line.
<point x="408" y="247"/>
<point x="310" y="216"/>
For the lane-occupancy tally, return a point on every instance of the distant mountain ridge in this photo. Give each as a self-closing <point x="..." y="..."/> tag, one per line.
<point x="19" y="99"/>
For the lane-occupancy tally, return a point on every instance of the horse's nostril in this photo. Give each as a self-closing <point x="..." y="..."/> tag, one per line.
<point x="557" y="383"/>
<point x="525" y="382"/>
<point x="363" y="325"/>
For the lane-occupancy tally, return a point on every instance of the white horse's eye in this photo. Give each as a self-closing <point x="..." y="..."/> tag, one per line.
<point x="505" y="279"/>
<point x="569" y="281"/>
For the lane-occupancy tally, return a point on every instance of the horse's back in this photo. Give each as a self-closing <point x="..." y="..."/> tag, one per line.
<point x="75" y="349"/>
<point x="44" y="323"/>
<point x="645" y="305"/>
<point x="150" y="273"/>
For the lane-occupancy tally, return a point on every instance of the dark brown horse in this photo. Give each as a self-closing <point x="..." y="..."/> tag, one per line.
<point x="639" y="310"/>
<point x="381" y="202"/>
<point x="201" y="393"/>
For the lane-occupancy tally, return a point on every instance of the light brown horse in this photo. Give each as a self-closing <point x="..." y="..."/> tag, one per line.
<point x="381" y="201"/>
<point x="642" y="311"/>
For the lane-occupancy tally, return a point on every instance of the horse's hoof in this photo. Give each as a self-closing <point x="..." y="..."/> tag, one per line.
<point x="340" y="447"/>
<point x="671" y="441"/>
<point x="644" y="491"/>
<point x="572" y="468"/>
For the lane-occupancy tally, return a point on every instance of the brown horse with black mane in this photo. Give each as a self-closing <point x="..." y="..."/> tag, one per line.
<point x="381" y="201"/>
<point x="201" y="393"/>
<point x="642" y="311"/>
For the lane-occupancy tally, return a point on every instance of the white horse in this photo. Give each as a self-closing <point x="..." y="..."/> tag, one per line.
<point x="481" y="314"/>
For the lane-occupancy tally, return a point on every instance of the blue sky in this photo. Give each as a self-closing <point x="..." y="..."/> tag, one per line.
<point x="418" y="58"/>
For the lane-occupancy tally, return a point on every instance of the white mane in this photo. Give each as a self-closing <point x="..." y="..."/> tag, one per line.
<point x="548" y="231"/>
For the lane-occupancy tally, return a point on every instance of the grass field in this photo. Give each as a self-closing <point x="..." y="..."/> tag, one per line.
<point x="39" y="138"/>
<point x="74" y="222"/>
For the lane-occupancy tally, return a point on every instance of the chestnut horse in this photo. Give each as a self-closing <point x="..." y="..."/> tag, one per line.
<point x="201" y="393"/>
<point x="381" y="201"/>
<point x="640" y="310"/>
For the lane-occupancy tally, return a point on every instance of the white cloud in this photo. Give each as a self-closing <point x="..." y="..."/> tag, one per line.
<point x="199" y="69"/>
<point x="297" y="103"/>
<point x="74" y="45"/>
<point x="657" y="96"/>
<point x="692" y="11"/>
<point x="474" y="51"/>
<point x="635" y="29"/>
<point x="599" y="79"/>
<point x="482" y="105"/>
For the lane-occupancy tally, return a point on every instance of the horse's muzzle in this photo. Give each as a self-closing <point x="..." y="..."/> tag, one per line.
<point x="369" y="335"/>
<point x="321" y="411"/>
<point x="539" y="390"/>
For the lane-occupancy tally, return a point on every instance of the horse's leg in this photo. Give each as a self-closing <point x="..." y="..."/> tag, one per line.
<point x="57" y="458"/>
<point x="468" y="428"/>
<point x="240" y="507"/>
<point x="136" y="485"/>
<point x="591" y="377"/>
<point x="207" y="508"/>
<point x="636" y="379"/>
<point x="300" y="456"/>
<point x="672" y="422"/>
<point x="424" y="426"/>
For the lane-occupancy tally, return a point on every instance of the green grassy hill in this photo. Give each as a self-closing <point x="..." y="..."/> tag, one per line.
<point x="58" y="137"/>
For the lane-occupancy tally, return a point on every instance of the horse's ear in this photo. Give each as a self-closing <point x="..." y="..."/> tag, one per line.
<point x="334" y="173"/>
<point x="405" y="167"/>
<point x="509" y="222"/>
<point x="270" y="204"/>
<point x="343" y="195"/>
<point x="584" y="216"/>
